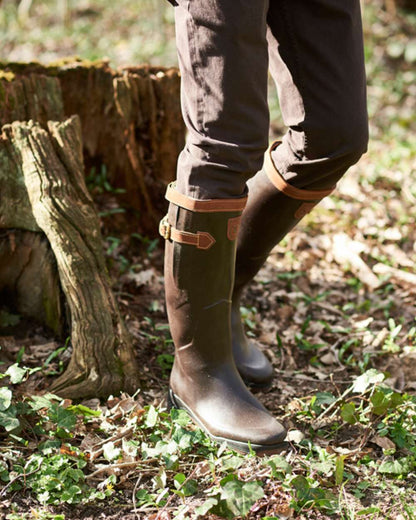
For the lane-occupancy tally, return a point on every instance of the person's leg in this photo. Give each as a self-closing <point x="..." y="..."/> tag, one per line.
<point x="223" y="59"/>
<point x="222" y="51"/>
<point x="316" y="59"/>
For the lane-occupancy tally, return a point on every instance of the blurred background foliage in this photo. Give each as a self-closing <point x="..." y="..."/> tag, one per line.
<point x="131" y="32"/>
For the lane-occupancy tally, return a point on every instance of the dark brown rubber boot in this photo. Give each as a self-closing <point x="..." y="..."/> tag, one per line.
<point x="274" y="207"/>
<point x="199" y="272"/>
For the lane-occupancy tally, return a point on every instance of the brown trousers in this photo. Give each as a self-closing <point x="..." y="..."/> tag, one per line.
<point x="314" y="50"/>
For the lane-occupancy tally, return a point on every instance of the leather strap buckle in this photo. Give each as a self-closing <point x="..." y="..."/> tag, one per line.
<point x="200" y="239"/>
<point x="165" y="229"/>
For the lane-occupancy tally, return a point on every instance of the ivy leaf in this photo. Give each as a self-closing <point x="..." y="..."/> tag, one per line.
<point x="384" y="399"/>
<point x="179" y="479"/>
<point x="70" y="494"/>
<point x="279" y="466"/>
<point x="144" y="497"/>
<point x="180" y="417"/>
<point x="396" y="467"/>
<point x="16" y="373"/>
<point x="62" y="417"/>
<point x="302" y="487"/>
<point x="369" y="378"/>
<point x="380" y="402"/>
<point x="151" y="417"/>
<point x="43" y="401"/>
<point x="241" y="496"/>
<point x="8" y="421"/>
<point x="5" y="398"/>
<point x="110" y="452"/>
<point x="325" y="467"/>
<point x="320" y="400"/>
<point x="183" y="439"/>
<point x="203" y="509"/>
<point x="186" y="488"/>
<point x="348" y="413"/>
<point x="231" y="463"/>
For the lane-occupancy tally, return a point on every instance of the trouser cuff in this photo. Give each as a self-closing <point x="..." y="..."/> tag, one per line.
<point x="282" y="185"/>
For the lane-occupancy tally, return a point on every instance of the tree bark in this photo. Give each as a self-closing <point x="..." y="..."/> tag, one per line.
<point x="29" y="280"/>
<point x="131" y="122"/>
<point x="50" y="161"/>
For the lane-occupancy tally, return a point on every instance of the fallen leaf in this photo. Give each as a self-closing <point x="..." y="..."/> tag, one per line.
<point x="383" y="442"/>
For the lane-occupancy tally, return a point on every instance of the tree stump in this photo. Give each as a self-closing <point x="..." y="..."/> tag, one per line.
<point x="131" y="122"/>
<point x="47" y="163"/>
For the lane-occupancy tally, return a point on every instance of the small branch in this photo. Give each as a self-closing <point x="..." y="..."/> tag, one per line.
<point x="111" y="467"/>
<point x="347" y="254"/>
<point x="399" y="274"/>
<point x="116" y="438"/>
<point x="24" y="476"/>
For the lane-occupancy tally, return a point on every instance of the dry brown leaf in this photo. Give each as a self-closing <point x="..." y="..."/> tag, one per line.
<point x="284" y="512"/>
<point x="328" y="359"/>
<point x="285" y="312"/>
<point x="383" y="442"/>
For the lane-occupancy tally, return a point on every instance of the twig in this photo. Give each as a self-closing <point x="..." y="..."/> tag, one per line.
<point x="328" y="308"/>
<point x="399" y="274"/>
<point x="116" y="438"/>
<point x="121" y="465"/>
<point x="134" y="496"/>
<point x="347" y="254"/>
<point x="333" y="405"/>
<point x="334" y="350"/>
<point x="171" y="497"/>
<point x="18" y="477"/>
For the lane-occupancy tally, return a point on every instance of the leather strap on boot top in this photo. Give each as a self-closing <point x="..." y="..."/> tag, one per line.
<point x="200" y="239"/>
<point x="206" y="205"/>
<point x="311" y="196"/>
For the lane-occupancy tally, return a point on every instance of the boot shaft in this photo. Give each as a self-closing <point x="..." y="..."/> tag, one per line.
<point x="199" y="276"/>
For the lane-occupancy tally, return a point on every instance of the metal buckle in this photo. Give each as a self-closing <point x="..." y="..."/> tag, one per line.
<point x="165" y="228"/>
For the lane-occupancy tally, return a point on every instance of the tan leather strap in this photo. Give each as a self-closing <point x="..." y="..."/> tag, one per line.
<point x="204" y="206"/>
<point x="286" y="188"/>
<point x="200" y="239"/>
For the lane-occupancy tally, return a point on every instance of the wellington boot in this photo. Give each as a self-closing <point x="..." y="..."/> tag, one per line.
<point x="274" y="207"/>
<point x="199" y="271"/>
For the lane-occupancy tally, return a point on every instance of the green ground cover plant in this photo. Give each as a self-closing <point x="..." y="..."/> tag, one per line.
<point x="85" y="455"/>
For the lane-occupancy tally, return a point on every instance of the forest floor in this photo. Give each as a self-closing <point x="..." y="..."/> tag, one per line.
<point x="334" y="309"/>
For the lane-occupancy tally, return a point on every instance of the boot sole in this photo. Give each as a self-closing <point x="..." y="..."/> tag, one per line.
<point x="257" y="386"/>
<point x="174" y="401"/>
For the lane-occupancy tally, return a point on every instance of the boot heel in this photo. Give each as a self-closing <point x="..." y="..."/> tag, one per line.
<point x="171" y="404"/>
